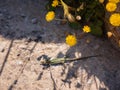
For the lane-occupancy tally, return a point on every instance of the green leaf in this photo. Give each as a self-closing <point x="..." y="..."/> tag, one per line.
<point x="96" y="30"/>
<point x="99" y="22"/>
<point x="49" y="6"/>
<point x="75" y="25"/>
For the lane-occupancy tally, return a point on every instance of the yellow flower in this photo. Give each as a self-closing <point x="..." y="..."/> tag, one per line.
<point x="115" y="19"/>
<point x="71" y="40"/>
<point x="111" y="7"/>
<point x="55" y="3"/>
<point x="86" y="29"/>
<point x="101" y="1"/>
<point x="50" y="16"/>
<point x="114" y="1"/>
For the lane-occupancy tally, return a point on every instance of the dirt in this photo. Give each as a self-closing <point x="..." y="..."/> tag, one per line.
<point x="25" y="36"/>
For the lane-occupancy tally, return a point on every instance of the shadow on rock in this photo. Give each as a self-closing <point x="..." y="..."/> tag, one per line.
<point x="23" y="19"/>
<point x="96" y="73"/>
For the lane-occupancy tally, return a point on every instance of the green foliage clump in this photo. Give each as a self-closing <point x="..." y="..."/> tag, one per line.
<point x="82" y="12"/>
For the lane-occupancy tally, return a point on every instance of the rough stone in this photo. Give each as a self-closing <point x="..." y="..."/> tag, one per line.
<point x="34" y="21"/>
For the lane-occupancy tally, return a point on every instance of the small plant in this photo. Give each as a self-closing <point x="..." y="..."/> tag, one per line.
<point x="86" y="15"/>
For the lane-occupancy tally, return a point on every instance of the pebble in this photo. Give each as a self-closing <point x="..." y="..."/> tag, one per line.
<point x="78" y="55"/>
<point x="2" y="48"/>
<point x="36" y="39"/>
<point x="19" y="62"/>
<point x="18" y="54"/>
<point x="9" y="17"/>
<point x="23" y="46"/>
<point x="34" y="21"/>
<point x="89" y="81"/>
<point x="6" y="27"/>
<point x="30" y="38"/>
<point x="23" y="15"/>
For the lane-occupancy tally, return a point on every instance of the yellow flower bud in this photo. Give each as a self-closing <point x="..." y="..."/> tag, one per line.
<point x="115" y="19"/>
<point x="109" y="34"/>
<point x="111" y="7"/>
<point x="71" y="40"/>
<point x="50" y="16"/>
<point x="86" y="29"/>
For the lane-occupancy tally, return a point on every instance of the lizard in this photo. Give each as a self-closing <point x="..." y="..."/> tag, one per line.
<point x="63" y="60"/>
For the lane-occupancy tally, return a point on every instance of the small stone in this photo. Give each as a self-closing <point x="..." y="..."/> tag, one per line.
<point x="23" y="15"/>
<point x="2" y="49"/>
<point x="30" y="38"/>
<point x="36" y="39"/>
<point x="18" y="54"/>
<point x="7" y="27"/>
<point x="78" y="85"/>
<point x="23" y="46"/>
<point x="88" y="41"/>
<point x="78" y="18"/>
<point x="78" y="55"/>
<point x="89" y="81"/>
<point x="34" y="21"/>
<point x="19" y="62"/>
<point x="9" y="17"/>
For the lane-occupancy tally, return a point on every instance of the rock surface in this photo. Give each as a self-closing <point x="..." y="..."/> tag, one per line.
<point x="115" y="38"/>
<point x="22" y="69"/>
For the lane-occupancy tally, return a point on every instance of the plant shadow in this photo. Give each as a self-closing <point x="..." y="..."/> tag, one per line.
<point x="28" y="23"/>
<point x="96" y="73"/>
